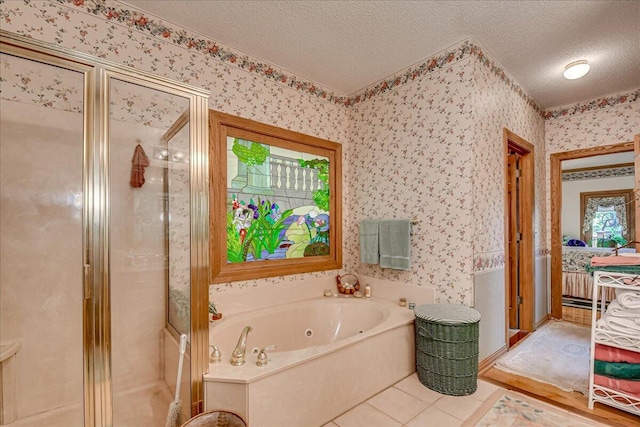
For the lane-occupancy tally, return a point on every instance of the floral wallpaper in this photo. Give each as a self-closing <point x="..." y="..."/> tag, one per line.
<point x="594" y="127"/>
<point x="611" y="123"/>
<point x="411" y="156"/>
<point x="23" y="83"/>
<point x="497" y="106"/>
<point x="438" y="156"/>
<point x="595" y="104"/>
<point x="146" y="107"/>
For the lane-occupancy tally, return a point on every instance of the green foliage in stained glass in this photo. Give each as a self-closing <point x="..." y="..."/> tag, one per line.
<point x="255" y="154"/>
<point x="320" y="196"/>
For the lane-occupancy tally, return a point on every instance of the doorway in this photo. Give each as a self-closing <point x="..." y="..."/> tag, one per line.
<point x="519" y="244"/>
<point x="556" y="160"/>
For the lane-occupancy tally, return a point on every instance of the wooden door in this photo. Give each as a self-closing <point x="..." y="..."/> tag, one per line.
<point x="514" y="231"/>
<point x="519" y="233"/>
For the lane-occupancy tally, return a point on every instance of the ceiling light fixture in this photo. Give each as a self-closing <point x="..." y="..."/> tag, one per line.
<point x="576" y="69"/>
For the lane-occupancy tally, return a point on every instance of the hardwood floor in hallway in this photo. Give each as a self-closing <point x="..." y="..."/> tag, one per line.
<point x="573" y="402"/>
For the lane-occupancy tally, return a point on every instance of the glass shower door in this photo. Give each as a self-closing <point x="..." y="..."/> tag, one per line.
<point x="103" y="246"/>
<point x="41" y="243"/>
<point x="149" y="247"/>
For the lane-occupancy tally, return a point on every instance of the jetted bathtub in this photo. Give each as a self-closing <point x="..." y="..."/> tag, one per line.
<point x="332" y="353"/>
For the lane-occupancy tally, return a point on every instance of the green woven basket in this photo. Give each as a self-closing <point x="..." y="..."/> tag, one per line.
<point x="447" y="348"/>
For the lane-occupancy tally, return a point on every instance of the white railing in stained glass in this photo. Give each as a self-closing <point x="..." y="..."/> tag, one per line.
<point x="287" y="174"/>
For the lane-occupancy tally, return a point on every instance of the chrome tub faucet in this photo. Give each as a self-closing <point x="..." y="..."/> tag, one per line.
<point x="237" y="358"/>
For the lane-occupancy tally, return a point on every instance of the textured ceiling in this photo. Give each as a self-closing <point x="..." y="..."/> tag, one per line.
<point x="347" y="45"/>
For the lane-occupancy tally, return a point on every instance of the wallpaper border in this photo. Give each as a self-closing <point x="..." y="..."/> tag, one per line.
<point x="598" y="103"/>
<point x="488" y="261"/>
<point x="496" y="259"/>
<point x="438" y="61"/>
<point x="618" y="171"/>
<point x="128" y="16"/>
<point x="134" y="19"/>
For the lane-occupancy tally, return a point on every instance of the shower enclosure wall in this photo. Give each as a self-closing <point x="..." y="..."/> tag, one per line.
<point x="103" y="239"/>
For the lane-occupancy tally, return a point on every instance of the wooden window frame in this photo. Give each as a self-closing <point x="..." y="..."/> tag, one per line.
<point x="628" y="199"/>
<point x="221" y="126"/>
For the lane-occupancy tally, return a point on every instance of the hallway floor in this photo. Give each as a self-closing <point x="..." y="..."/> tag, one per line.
<point x="409" y="403"/>
<point x="575" y="402"/>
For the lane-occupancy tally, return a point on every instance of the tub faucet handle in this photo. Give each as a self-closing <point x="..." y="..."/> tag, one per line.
<point x="237" y="357"/>
<point x="215" y="356"/>
<point x="262" y="356"/>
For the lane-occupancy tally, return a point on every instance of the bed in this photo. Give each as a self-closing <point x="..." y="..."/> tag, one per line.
<point x="576" y="282"/>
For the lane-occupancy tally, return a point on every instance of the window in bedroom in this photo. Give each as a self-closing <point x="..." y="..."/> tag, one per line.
<point x="607" y="217"/>
<point x="606" y="227"/>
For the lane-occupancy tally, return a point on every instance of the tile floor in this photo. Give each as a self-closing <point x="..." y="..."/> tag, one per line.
<point x="406" y="404"/>
<point x="410" y="404"/>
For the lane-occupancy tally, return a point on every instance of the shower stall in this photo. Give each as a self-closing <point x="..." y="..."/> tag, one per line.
<point x="103" y="240"/>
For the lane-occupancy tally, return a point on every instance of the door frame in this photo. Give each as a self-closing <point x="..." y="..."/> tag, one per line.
<point x="555" y="190"/>
<point x="525" y="149"/>
<point x="637" y="189"/>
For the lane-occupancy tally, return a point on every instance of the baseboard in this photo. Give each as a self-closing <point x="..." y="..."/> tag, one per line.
<point x="542" y="321"/>
<point x="516" y="338"/>
<point x="488" y="362"/>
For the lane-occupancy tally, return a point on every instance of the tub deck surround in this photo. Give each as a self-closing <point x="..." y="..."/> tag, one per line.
<point x="334" y="322"/>
<point x="231" y="300"/>
<point x="394" y="290"/>
<point x="248" y="296"/>
<point x="358" y="348"/>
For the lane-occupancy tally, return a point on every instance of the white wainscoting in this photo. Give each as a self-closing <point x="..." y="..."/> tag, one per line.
<point x="543" y="283"/>
<point x="489" y="300"/>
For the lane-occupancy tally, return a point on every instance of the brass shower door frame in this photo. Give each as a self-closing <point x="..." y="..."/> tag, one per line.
<point x="98" y="405"/>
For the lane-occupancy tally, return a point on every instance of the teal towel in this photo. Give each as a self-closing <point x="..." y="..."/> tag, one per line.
<point x="369" y="241"/>
<point x="395" y="244"/>
<point x="627" y="371"/>
<point x="630" y="269"/>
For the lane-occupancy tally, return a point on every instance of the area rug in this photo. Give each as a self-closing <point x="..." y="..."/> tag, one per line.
<point x="556" y="354"/>
<point x="504" y="409"/>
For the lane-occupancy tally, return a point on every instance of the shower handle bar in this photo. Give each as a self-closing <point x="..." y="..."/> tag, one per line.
<point x="87" y="281"/>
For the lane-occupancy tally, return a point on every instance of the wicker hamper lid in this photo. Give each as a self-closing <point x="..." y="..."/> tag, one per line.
<point x="447" y="313"/>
